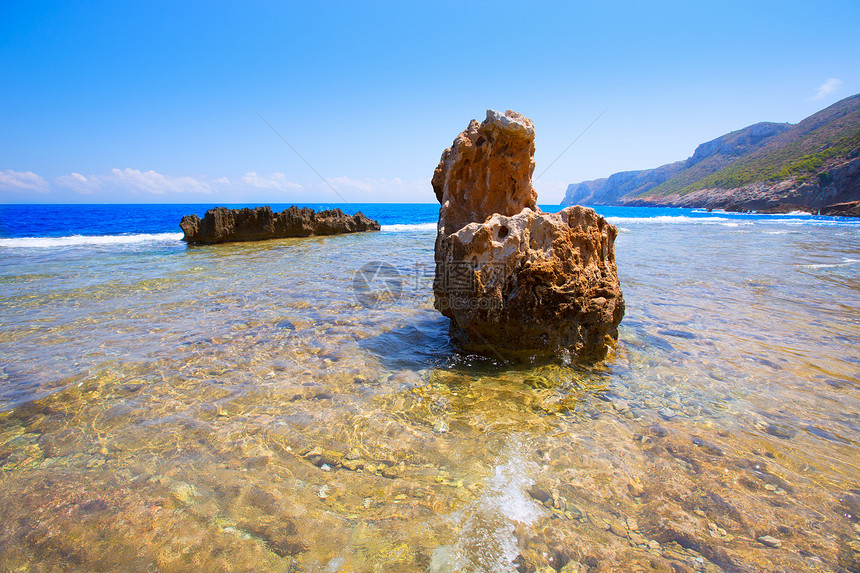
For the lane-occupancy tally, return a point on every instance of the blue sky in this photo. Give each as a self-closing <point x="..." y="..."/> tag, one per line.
<point x="158" y="101"/>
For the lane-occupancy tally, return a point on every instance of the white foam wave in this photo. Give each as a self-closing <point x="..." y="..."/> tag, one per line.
<point x="679" y="219"/>
<point x="811" y="221"/>
<point x="797" y="219"/>
<point x="401" y="228"/>
<point x="86" y="240"/>
<point x="845" y="262"/>
<point x="487" y="541"/>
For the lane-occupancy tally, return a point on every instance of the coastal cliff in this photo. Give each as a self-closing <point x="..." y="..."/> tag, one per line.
<point x="774" y="167"/>
<point x="222" y="225"/>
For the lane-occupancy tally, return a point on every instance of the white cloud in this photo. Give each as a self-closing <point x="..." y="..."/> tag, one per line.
<point x="134" y="180"/>
<point x="125" y="184"/>
<point x="396" y="190"/>
<point x="360" y="184"/>
<point x="22" y="182"/>
<point x="154" y="182"/>
<point x="827" y="88"/>
<point x="76" y="182"/>
<point x="274" y="181"/>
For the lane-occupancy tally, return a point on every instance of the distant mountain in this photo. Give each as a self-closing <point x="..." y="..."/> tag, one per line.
<point x="766" y="166"/>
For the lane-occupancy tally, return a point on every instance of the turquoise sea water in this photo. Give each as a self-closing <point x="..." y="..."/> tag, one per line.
<point x="236" y="407"/>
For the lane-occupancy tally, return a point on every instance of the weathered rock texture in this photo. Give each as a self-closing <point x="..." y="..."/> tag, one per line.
<point x="518" y="283"/>
<point x="487" y="170"/>
<point x="222" y="225"/>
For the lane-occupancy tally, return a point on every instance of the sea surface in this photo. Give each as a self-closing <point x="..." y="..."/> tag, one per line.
<point x="249" y="407"/>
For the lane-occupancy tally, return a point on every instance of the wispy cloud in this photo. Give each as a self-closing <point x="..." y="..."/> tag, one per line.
<point x="134" y="180"/>
<point x="77" y="183"/>
<point x="360" y="184"/>
<point x="383" y="189"/>
<point x="276" y="180"/>
<point x="827" y="88"/>
<point x="154" y="182"/>
<point x="22" y="182"/>
<point x="125" y="184"/>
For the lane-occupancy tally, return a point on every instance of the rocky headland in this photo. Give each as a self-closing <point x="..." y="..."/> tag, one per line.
<point x="222" y="225"/>
<point x="850" y="209"/>
<point x="518" y="283"/>
<point x="766" y="167"/>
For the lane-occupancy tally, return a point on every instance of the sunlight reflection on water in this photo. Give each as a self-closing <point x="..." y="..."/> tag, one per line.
<point x="178" y="407"/>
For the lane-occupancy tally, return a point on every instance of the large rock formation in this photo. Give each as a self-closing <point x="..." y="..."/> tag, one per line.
<point x="222" y="225"/>
<point x="518" y="283"/>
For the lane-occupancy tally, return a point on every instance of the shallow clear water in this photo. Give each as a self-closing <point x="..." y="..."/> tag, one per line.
<point x="236" y="408"/>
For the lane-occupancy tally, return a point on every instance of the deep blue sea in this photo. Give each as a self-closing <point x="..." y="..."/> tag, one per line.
<point x="90" y="224"/>
<point x="238" y="407"/>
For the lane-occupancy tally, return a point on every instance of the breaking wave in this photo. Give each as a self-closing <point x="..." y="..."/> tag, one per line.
<point x="401" y="228"/>
<point x="679" y="220"/>
<point x="87" y="240"/>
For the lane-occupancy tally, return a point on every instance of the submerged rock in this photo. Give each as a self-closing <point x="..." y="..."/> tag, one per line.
<point x="222" y="225"/>
<point x="769" y="541"/>
<point x="518" y="283"/>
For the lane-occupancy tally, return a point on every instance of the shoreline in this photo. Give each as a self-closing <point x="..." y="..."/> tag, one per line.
<point x="846" y="210"/>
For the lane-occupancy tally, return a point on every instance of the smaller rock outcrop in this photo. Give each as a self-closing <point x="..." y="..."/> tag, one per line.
<point x="222" y="225"/>
<point x="518" y="283"/>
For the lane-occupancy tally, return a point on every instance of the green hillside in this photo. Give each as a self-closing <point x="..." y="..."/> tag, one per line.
<point x="801" y="151"/>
